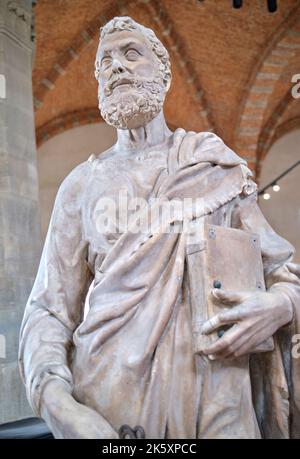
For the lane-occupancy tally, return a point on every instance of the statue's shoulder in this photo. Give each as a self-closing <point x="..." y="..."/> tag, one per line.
<point x="207" y="136"/>
<point x="74" y="184"/>
<point x="208" y="146"/>
<point x="103" y="158"/>
<point x="212" y="148"/>
<point x="210" y="140"/>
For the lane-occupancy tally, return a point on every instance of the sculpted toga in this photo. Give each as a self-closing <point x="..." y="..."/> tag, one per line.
<point x="132" y="360"/>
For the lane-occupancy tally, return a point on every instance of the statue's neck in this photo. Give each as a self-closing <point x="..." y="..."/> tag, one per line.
<point x="152" y="135"/>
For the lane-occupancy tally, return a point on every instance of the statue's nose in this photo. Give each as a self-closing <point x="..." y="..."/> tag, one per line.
<point x="117" y="66"/>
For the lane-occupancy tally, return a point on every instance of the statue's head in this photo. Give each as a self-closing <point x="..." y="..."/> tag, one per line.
<point x="133" y="71"/>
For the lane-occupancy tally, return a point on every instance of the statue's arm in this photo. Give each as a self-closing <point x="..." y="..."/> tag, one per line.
<point x="55" y="306"/>
<point x="53" y="311"/>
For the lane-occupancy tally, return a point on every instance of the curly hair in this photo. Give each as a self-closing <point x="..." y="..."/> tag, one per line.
<point x="119" y="24"/>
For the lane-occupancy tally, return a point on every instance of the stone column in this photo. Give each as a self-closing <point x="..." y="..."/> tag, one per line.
<point x="19" y="219"/>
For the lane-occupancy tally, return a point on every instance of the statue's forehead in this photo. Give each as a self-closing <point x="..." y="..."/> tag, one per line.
<point x="118" y="39"/>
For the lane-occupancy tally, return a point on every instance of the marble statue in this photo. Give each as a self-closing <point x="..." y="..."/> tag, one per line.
<point x="149" y="353"/>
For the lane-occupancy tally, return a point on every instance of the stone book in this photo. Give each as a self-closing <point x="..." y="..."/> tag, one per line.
<point x="226" y="258"/>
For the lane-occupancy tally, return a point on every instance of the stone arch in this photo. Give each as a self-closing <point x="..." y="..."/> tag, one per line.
<point x="274" y="128"/>
<point x="284" y="128"/>
<point x="70" y="120"/>
<point x="155" y="10"/>
<point x="267" y="71"/>
<point x="67" y="121"/>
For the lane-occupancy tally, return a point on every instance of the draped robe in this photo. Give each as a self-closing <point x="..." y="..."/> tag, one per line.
<point x="131" y="359"/>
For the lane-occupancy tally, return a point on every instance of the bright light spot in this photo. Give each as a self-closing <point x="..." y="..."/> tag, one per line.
<point x="267" y="196"/>
<point x="2" y="347"/>
<point x="276" y="187"/>
<point x="2" y="87"/>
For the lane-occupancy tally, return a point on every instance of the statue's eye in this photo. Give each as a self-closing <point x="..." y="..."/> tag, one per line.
<point x="131" y="54"/>
<point x="106" y="61"/>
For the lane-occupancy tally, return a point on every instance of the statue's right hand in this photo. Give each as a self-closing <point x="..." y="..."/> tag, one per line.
<point x="67" y="418"/>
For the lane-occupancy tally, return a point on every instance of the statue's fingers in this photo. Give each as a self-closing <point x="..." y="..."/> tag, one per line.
<point x="210" y="325"/>
<point x="225" y="345"/>
<point x="233" y="340"/>
<point x="246" y="345"/>
<point x="228" y="297"/>
<point x="223" y="318"/>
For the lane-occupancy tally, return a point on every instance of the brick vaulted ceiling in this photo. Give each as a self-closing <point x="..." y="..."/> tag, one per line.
<point x="232" y="68"/>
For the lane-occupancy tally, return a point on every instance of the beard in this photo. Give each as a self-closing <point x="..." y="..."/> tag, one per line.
<point x="135" y="107"/>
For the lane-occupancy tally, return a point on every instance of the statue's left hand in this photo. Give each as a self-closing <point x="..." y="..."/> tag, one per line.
<point x="255" y="316"/>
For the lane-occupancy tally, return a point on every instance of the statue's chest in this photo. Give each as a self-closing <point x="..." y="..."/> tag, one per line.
<point x="118" y="190"/>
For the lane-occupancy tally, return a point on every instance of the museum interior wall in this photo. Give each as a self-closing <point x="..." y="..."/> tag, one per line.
<point x="233" y="74"/>
<point x="282" y="210"/>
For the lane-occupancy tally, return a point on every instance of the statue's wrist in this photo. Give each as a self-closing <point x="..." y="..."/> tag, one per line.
<point x="53" y="391"/>
<point x="286" y="307"/>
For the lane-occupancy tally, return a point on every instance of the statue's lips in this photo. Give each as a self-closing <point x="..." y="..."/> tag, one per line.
<point x="120" y="83"/>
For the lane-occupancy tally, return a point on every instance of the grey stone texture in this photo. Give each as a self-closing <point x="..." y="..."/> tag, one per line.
<point x="19" y="217"/>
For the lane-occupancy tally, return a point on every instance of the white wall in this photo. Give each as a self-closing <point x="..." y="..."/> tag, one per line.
<point x="60" y="154"/>
<point x="283" y="209"/>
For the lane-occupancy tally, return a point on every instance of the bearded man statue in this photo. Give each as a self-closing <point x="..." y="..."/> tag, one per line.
<point x="136" y="359"/>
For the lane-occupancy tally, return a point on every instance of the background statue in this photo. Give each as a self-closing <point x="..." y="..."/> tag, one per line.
<point x="133" y="360"/>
